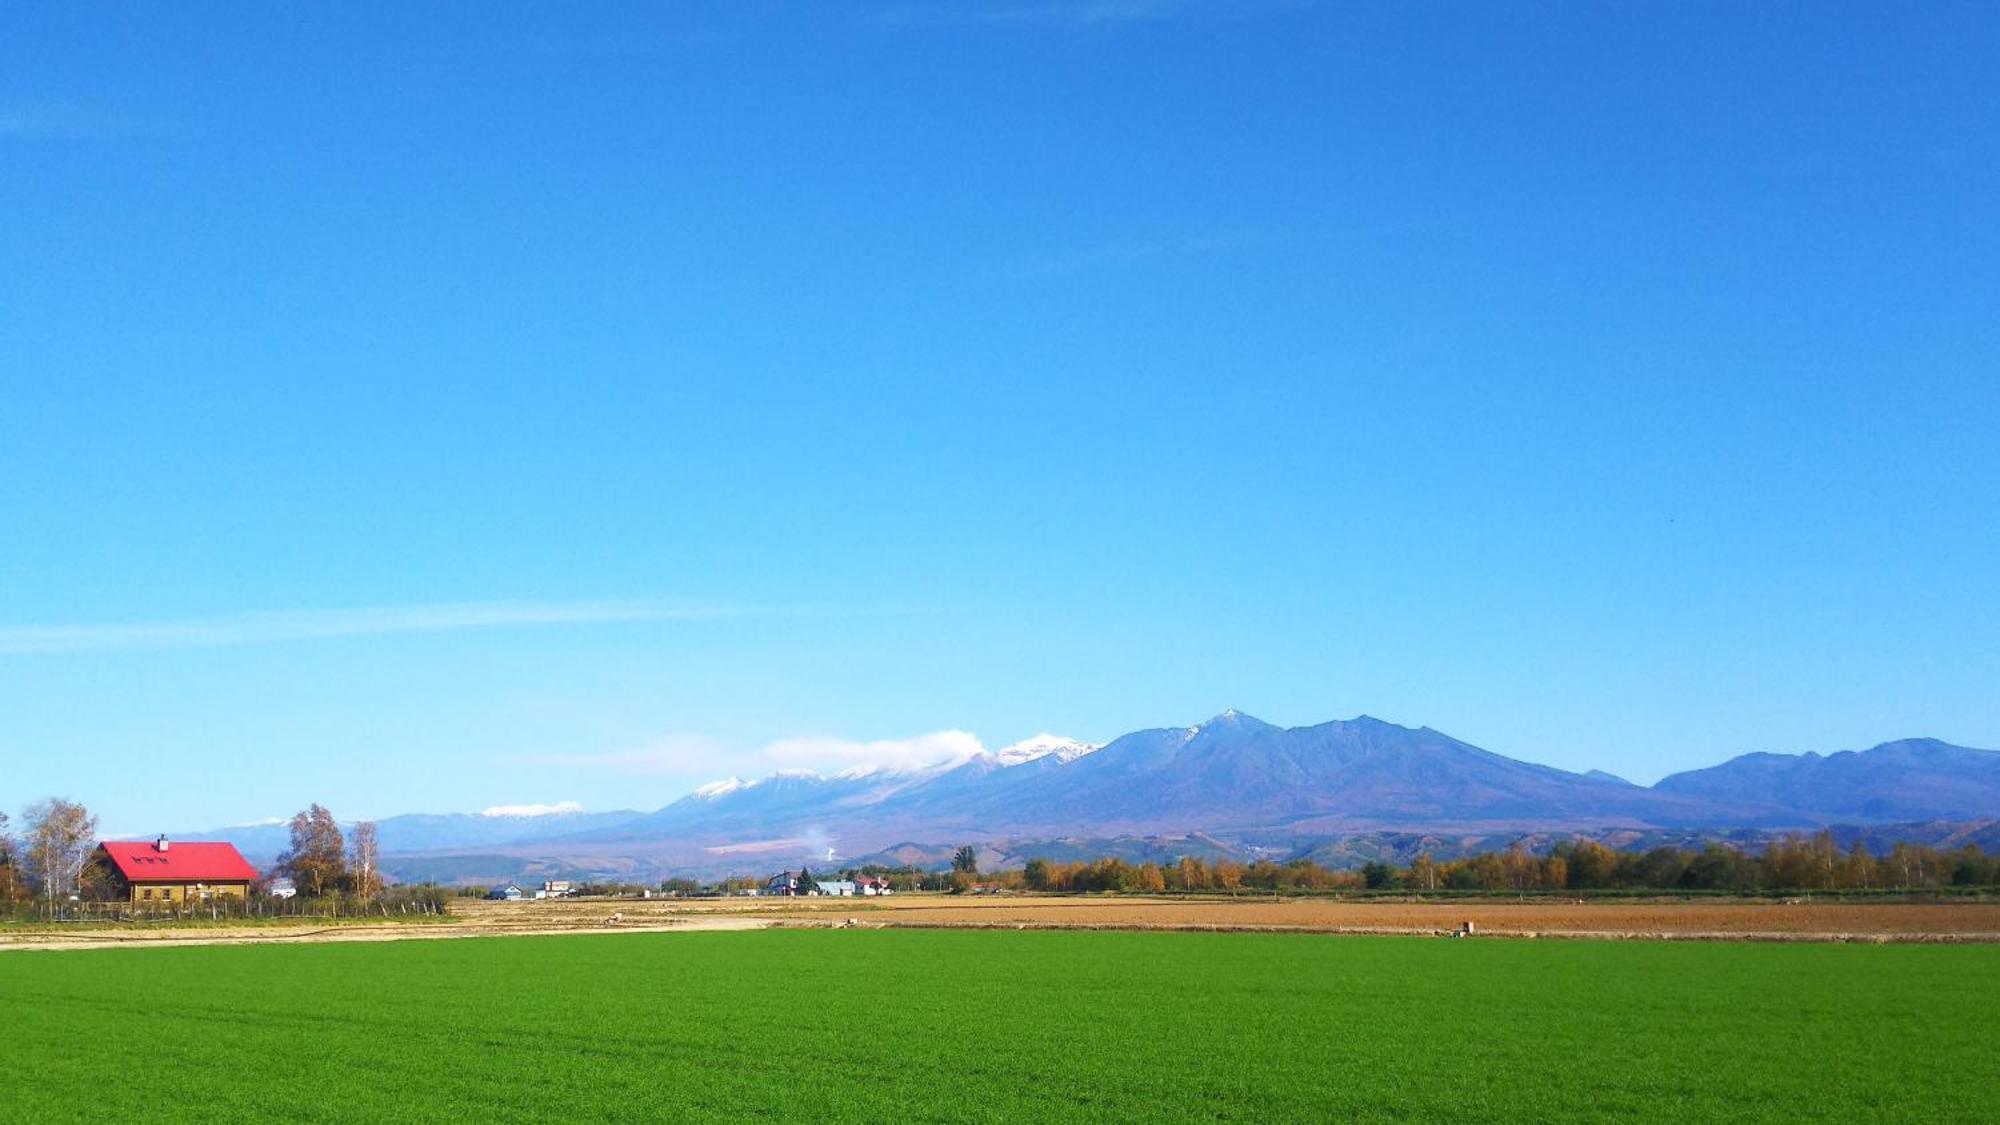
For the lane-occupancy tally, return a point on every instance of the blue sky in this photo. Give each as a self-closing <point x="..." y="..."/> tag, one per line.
<point x="428" y="410"/>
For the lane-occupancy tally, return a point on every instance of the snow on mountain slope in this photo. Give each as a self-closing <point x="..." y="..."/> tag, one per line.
<point x="1064" y="750"/>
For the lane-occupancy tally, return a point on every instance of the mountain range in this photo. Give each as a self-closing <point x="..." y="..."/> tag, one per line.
<point x="1233" y="778"/>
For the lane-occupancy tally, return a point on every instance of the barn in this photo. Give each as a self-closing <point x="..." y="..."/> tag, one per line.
<point x="166" y="872"/>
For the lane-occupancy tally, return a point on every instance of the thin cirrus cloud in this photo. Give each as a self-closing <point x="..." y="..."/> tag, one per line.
<point x="299" y="625"/>
<point x="560" y="808"/>
<point x="686" y="755"/>
<point x="890" y="753"/>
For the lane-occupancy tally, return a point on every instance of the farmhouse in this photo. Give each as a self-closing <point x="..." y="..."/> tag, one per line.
<point x="873" y="886"/>
<point x="163" y="871"/>
<point x="508" y="893"/>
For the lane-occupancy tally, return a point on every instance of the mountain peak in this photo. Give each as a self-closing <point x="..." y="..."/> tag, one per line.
<point x="789" y="775"/>
<point x="1233" y="719"/>
<point x="1372" y="722"/>
<point x="1064" y="750"/>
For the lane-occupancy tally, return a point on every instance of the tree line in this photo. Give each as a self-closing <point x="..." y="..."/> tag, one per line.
<point x="1791" y="863"/>
<point x="1795" y="863"/>
<point x="48" y="862"/>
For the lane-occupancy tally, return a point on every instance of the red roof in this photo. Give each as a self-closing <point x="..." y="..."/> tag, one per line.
<point x="140" y="861"/>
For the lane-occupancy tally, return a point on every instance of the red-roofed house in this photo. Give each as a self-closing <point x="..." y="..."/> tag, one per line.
<point x="163" y="871"/>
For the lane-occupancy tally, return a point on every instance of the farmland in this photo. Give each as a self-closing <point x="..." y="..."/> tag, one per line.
<point x="906" y="1024"/>
<point x="1972" y="919"/>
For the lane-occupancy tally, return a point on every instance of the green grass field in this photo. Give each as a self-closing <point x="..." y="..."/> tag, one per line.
<point x="911" y="1025"/>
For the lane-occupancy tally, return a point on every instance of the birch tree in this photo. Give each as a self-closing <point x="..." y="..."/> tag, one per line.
<point x="9" y="877"/>
<point x="58" y="841"/>
<point x="362" y="865"/>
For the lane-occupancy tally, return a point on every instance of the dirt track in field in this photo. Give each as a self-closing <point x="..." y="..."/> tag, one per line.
<point x="307" y="932"/>
<point x="1661" y="920"/>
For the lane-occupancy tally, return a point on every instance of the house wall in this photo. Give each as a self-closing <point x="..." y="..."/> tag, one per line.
<point x="159" y="894"/>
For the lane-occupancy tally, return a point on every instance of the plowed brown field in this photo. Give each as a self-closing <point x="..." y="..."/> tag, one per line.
<point x="1543" y="917"/>
<point x="1803" y="920"/>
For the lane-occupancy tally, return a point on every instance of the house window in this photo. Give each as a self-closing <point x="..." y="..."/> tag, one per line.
<point x="147" y="893"/>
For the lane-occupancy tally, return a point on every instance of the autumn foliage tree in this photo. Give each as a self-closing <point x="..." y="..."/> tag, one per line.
<point x="317" y="860"/>
<point x="1788" y="863"/>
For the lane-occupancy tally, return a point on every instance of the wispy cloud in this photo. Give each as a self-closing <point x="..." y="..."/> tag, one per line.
<point x="828" y="754"/>
<point x="296" y="625"/>
<point x="560" y="808"/>
<point x="696" y="755"/>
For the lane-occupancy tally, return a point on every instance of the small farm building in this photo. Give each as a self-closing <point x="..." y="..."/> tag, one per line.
<point x="875" y="886"/>
<point x="162" y="871"/>
<point x="840" y="888"/>
<point x="508" y="893"/>
<point x="282" y="888"/>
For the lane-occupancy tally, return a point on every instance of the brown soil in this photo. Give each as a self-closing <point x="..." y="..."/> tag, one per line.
<point x="1768" y="921"/>
<point x="1978" y="920"/>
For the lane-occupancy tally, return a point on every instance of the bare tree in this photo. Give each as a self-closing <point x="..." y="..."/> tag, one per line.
<point x="59" y="839"/>
<point x="362" y="859"/>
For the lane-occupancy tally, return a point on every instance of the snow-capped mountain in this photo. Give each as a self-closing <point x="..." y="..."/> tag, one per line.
<point x="1064" y="750"/>
<point x="1233" y="772"/>
<point x="1230" y="774"/>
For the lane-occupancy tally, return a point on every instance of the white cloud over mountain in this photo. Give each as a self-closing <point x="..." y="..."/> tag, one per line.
<point x="827" y="754"/>
<point x="560" y="808"/>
